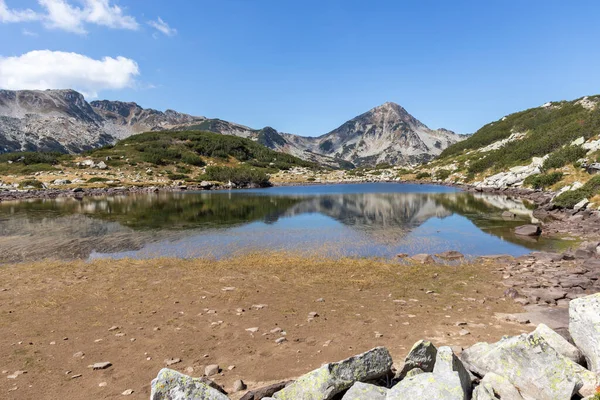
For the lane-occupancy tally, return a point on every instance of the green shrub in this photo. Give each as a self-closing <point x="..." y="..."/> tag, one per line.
<point x="542" y="181"/>
<point x="30" y="158"/>
<point x="572" y="197"/>
<point x="241" y="176"/>
<point x="442" y="174"/>
<point x="383" y="166"/>
<point x="32" y="182"/>
<point x="563" y="156"/>
<point x="177" y="177"/>
<point x="97" y="179"/>
<point x="423" y="175"/>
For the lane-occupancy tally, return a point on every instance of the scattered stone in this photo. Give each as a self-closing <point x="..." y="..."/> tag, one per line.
<point x="320" y="300"/>
<point x="422" y="259"/>
<point x="127" y="392"/>
<point x="170" y="384"/>
<point x="239" y="385"/>
<point x="101" y="365"/>
<point x="258" y="306"/>
<point x="450" y="255"/>
<point x="79" y="354"/>
<point x="313" y="314"/>
<point x="172" y="361"/>
<point x="464" y="332"/>
<point x="16" y="374"/>
<point x="252" y="330"/>
<point x="76" y="376"/>
<point x="113" y="328"/>
<point x="102" y="384"/>
<point x="280" y="340"/>
<point x="212" y="369"/>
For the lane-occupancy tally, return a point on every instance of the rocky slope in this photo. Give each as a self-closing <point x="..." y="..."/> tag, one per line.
<point x="62" y="120"/>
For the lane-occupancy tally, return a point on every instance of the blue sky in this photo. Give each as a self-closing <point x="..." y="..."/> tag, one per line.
<point x="307" y="66"/>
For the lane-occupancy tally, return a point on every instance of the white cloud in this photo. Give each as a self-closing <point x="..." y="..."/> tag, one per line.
<point x="27" y="32"/>
<point x="7" y="15"/>
<point x="61" y="14"/>
<point x="45" y="69"/>
<point x="163" y="27"/>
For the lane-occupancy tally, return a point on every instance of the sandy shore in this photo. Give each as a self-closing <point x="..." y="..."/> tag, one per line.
<point x="192" y="310"/>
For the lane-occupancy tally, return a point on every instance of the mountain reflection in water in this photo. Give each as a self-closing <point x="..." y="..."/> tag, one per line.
<point x="353" y="220"/>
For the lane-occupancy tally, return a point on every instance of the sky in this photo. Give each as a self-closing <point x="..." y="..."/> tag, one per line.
<point x="307" y="66"/>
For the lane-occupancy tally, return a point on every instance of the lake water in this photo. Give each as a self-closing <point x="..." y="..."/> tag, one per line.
<point x="381" y="219"/>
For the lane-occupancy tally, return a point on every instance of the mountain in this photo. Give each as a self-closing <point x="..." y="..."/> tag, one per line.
<point x="62" y="120"/>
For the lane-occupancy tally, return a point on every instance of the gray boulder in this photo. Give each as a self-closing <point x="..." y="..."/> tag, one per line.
<point x="428" y="386"/>
<point x="529" y="363"/>
<point x="172" y="385"/>
<point x="363" y="391"/>
<point x="331" y="379"/>
<point x="560" y="344"/>
<point x="422" y="355"/>
<point x="484" y="392"/>
<point x="528" y="230"/>
<point x="446" y="362"/>
<point x="584" y="326"/>
<point x="501" y="387"/>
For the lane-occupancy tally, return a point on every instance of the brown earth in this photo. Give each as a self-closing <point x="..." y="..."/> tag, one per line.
<point x="163" y="309"/>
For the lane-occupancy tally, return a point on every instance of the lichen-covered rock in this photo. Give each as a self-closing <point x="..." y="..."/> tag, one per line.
<point x="422" y="355"/>
<point x="172" y="385"/>
<point x="447" y="362"/>
<point x="560" y="344"/>
<point x="529" y="363"/>
<point x="363" y="391"/>
<point x="331" y="379"/>
<point x="501" y="387"/>
<point x="584" y="326"/>
<point x="428" y="386"/>
<point x="414" y="372"/>
<point x="484" y="392"/>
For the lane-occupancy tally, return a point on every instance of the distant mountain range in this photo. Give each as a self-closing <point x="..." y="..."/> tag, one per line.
<point x="62" y="120"/>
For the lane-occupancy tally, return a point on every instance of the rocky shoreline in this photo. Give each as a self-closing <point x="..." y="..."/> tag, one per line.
<point x="541" y="365"/>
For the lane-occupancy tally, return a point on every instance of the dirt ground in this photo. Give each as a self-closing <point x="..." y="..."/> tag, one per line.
<point x="189" y="309"/>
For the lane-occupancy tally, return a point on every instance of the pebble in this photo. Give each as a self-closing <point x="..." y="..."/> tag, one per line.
<point x="120" y="334"/>
<point x="258" y="306"/>
<point x="79" y="354"/>
<point x="313" y="314"/>
<point x="16" y="374"/>
<point x="275" y="330"/>
<point x="228" y="289"/>
<point x="239" y="385"/>
<point x="113" y="328"/>
<point x="231" y="368"/>
<point x="464" y="332"/>
<point x="102" y="384"/>
<point x="127" y="392"/>
<point x="320" y="300"/>
<point x="101" y="365"/>
<point x="252" y="330"/>
<point x="280" y="340"/>
<point x="172" y="361"/>
<point x="211" y="370"/>
<point x="76" y="376"/>
<point x="189" y="370"/>
<point x="378" y="335"/>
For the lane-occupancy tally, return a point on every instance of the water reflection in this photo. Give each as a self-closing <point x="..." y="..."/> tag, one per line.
<point x="379" y="220"/>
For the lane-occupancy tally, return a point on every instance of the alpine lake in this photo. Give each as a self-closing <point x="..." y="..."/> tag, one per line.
<point x="354" y="220"/>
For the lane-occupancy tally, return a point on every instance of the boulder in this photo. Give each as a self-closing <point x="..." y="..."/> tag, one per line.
<point x="428" y="386"/>
<point x="528" y="230"/>
<point x="501" y="387"/>
<point x="423" y="258"/>
<point x="265" y="391"/>
<point x="170" y="384"/>
<point x="325" y="382"/>
<point x="508" y="214"/>
<point x="446" y="362"/>
<point x="422" y="355"/>
<point x="581" y="205"/>
<point x="560" y="344"/>
<point x="450" y="255"/>
<point x="362" y="391"/>
<point x="584" y="326"/>
<point x="484" y="392"/>
<point x="529" y="363"/>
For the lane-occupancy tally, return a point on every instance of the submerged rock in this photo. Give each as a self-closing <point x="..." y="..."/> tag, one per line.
<point x="528" y="230"/>
<point x="172" y="385"/>
<point x="325" y="382"/>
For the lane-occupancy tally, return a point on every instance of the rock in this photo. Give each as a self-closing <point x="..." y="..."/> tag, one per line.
<point x="584" y="327"/>
<point x="266" y="391"/>
<point x="211" y="370"/>
<point x="172" y="361"/>
<point x="450" y="255"/>
<point x="528" y="230"/>
<point x="79" y="354"/>
<point x="414" y="372"/>
<point x="562" y="346"/>
<point x="363" y="391"/>
<point x="549" y="295"/>
<point x="446" y="362"/>
<point x="252" y="330"/>
<point x="127" y="392"/>
<point x="239" y="385"/>
<point x="484" y="392"/>
<point x="170" y="384"/>
<point x="102" y="165"/>
<point x="16" y="374"/>
<point x="581" y="205"/>
<point x="501" y="387"/>
<point x="508" y="214"/>
<point x="422" y="355"/>
<point x="422" y="259"/>
<point x="428" y="386"/>
<point x="101" y="365"/>
<point x="529" y="363"/>
<point x="325" y="382"/>
<point x="313" y="314"/>
<point x="280" y="340"/>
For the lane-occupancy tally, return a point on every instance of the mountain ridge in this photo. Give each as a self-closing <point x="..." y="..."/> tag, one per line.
<point x="62" y="120"/>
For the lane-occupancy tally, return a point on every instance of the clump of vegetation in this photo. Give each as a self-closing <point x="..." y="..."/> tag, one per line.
<point x="570" y="198"/>
<point x="97" y="179"/>
<point x="241" y="176"/>
<point x="383" y="166"/>
<point x="27" y="163"/>
<point x="542" y="181"/>
<point x="177" y="177"/>
<point x="31" y="182"/>
<point x="442" y="174"/>
<point x="423" y="175"/>
<point x="563" y="156"/>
